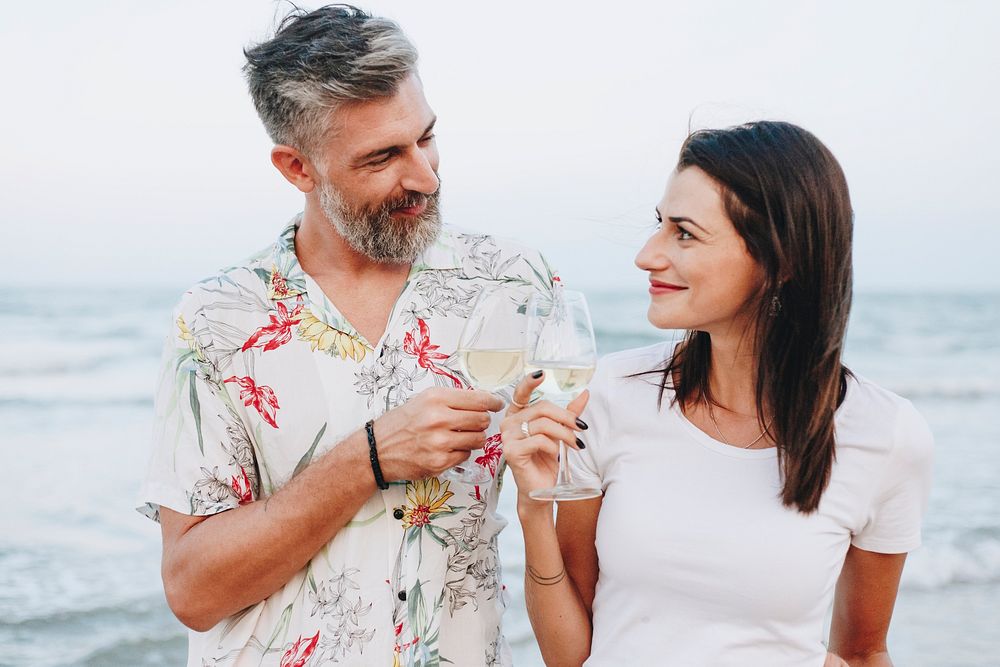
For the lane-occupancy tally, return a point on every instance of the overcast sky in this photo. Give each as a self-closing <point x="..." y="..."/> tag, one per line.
<point x="132" y="153"/>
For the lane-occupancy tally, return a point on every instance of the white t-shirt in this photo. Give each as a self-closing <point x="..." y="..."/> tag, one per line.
<point x="700" y="563"/>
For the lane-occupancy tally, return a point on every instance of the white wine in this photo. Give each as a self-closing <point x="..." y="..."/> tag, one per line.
<point x="562" y="381"/>
<point x="492" y="369"/>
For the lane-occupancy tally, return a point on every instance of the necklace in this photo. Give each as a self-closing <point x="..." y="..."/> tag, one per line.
<point x="711" y="415"/>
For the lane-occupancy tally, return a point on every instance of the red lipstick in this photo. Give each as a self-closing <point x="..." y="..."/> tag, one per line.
<point x="660" y="287"/>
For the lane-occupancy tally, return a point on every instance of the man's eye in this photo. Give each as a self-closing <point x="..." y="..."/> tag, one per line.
<point x="379" y="162"/>
<point x="429" y="137"/>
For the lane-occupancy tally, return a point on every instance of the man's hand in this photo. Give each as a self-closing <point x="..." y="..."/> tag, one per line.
<point x="433" y="431"/>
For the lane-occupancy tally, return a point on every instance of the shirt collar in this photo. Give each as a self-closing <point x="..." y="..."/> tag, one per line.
<point x="287" y="279"/>
<point x="441" y="255"/>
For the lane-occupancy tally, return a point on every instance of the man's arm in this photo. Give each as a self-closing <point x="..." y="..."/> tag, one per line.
<point x="217" y="565"/>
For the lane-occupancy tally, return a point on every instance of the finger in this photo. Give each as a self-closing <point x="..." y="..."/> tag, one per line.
<point x="540" y="446"/>
<point x="457" y="457"/>
<point x="468" y="420"/>
<point x="473" y="399"/>
<point x="547" y="409"/>
<point x="577" y="405"/>
<point x="553" y="430"/>
<point x="522" y="392"/>
<point x="466" y="441"/>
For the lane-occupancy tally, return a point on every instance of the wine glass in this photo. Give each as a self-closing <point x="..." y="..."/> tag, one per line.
<point x="491" y="350"/>
<point x="560" y="342"/>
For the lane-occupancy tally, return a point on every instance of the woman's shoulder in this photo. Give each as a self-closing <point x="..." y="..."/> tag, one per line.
<point x="871" y="407"/>
<point x="625" y="363"/>
<point x="875" y="400"/>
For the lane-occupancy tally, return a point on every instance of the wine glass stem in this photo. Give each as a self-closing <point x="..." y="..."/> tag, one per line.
<point x="564" y="477"/>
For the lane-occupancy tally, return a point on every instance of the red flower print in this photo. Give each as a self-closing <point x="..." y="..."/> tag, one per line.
<point x="299" y="653"/>
<point x="242" y="487"/>
<point x="279" y="330"/>
<point x="426" y="353"/>
<point x="491" y="454"/>
<point x="490" y="458"/>
<point x="279" y="286"/>
<point x="261" y="397"/>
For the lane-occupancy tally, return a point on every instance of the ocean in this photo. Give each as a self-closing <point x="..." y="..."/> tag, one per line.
<point x="79" y="568"/>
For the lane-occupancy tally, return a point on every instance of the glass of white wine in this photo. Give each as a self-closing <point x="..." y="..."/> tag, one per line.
<point x="560" y="342"/>
<point x="491" y="349"/>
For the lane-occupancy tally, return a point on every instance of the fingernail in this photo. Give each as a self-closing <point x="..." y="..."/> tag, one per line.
<point x="579" y="443"/>
<point x="582" y="424"/>
<point x="537" y="374"/>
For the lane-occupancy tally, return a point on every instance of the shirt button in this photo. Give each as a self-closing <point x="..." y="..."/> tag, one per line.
<point x="397" y="513"/>
<point x="402" y="596"/>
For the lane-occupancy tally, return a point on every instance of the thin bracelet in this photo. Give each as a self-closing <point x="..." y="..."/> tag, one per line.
<point x="373" y="455"/>
<point x="545" y="581"/>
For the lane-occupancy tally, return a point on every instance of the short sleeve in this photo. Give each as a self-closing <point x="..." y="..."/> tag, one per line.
<point x="894" y="520"/>
<point x="585" y="465"/>
<point x="202" y="459"/>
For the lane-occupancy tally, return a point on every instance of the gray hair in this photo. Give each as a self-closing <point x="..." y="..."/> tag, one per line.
<point x="318" y="61"/>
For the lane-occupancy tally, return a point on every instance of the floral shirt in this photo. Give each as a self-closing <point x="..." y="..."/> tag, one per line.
<point x="260" y="376"/>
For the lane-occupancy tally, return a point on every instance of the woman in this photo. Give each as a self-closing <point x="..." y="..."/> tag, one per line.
<point x="749" y="478"/>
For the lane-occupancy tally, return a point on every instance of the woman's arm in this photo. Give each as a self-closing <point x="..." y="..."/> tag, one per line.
<point x="862" y="608"/>
<point x="560" y="565"/>
<point x="560" y="575"/>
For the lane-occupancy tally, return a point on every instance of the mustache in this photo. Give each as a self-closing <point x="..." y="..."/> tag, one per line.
<point x="408" y="200"/>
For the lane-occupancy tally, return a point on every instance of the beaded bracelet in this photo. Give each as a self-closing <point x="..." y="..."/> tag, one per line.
<point x="373" y="456"/>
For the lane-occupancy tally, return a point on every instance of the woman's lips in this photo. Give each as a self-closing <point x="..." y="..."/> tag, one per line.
<point x="657" y="287"/>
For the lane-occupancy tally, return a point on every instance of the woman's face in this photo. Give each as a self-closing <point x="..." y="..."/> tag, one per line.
<point x="700" y="273"/>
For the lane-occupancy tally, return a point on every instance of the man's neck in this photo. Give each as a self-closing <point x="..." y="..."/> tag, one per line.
<point x="323" y="253"/>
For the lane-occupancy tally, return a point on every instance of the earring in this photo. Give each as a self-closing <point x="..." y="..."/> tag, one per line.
<point x="775" y="306"/>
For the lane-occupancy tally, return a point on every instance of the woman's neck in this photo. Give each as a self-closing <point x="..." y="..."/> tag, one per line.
<point x="732" y="378"/>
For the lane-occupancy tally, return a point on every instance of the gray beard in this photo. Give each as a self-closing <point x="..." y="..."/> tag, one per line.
<point x="373" y="233"/>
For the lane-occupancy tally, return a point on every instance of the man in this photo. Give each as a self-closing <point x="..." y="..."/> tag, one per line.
<point x="311" y="395"/>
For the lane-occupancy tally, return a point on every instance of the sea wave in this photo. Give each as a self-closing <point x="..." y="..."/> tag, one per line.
<point x="971" y="388"/>
<point x="968" y="557"/>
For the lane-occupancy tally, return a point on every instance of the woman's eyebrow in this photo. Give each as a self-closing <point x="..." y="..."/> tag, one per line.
<point x="680" y="218"/>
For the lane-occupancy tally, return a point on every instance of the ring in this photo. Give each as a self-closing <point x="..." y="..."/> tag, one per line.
<point x="520" y="405"/>
<point x="525" y="430"/>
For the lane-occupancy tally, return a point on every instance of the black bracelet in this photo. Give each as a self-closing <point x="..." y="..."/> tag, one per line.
<point x="373" y="455"/>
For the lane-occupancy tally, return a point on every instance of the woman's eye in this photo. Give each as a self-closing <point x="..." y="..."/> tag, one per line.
<point x="684" y="235"/>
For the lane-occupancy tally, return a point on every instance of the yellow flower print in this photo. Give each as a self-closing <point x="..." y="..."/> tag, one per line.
<point x="183" y="332"/>
<point x="327" y="339"/>
<point x="426" y="498"/>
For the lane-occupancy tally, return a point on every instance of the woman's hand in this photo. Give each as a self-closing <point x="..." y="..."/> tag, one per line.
<point x="533" y="457"/>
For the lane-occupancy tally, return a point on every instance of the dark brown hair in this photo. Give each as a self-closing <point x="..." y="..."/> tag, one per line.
<point x="787" y="197"/>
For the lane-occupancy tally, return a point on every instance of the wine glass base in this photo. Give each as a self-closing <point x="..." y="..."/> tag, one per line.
<point x="468" y="473"/>
<point x="565" y="492"/>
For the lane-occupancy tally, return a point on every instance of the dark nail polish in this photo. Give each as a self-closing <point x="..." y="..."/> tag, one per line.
<point x="582" y="424"/>
<point x="537" y="374"/>
<point x="579" y="443"/>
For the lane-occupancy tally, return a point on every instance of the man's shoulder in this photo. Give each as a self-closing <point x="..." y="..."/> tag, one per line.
<point x="494" y="255"/>
<point x="470" y="240"/>
<point x="243" y="285"/>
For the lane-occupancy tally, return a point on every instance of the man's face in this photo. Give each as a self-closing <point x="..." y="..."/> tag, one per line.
<point x="378" y="180"/>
